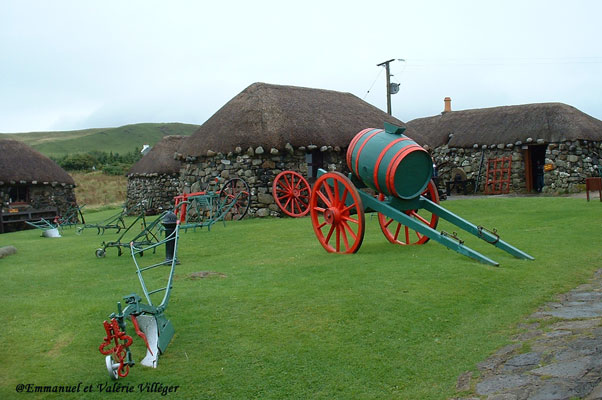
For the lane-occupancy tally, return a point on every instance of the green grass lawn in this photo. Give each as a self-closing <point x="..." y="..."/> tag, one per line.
<point x="289" y="320"/>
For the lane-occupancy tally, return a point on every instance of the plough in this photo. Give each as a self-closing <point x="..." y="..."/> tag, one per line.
<point x="48" y="229"/>
<point x="148" y="318"/>
<point x="399" y="171"/>
<point x="52" y="229"/>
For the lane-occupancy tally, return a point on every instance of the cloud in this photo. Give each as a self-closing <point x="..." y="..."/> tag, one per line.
<point x="73" y="65"/>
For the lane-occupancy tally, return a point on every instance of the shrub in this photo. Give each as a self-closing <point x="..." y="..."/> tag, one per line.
<point x="78" y="162"/>
<point x="110" y="163"/>
<point x="115" y="169"/>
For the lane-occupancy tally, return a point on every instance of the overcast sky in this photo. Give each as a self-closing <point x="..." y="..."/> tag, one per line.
<point x="87" y="64"/>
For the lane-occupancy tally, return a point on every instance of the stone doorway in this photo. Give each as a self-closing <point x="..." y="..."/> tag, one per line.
<point x="535" y="157"/>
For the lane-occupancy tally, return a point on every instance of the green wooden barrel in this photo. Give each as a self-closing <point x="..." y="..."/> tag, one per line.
<point x="390" y="162"/>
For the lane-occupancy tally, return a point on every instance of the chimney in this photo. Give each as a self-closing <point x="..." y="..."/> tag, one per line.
<point x="447" y="107"/>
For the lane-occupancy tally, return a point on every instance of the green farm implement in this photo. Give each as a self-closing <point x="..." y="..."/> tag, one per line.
<point x="52" y="228"/>
<point x="149" y="234"/>
<point x="72" y="217"/>
<point x="113" y="222"/>
<point x="399" y="172"/>
<point x="147" y="314"/>
<point x="48" y="228"/>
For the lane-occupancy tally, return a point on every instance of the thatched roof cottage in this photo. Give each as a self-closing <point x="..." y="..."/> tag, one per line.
<point x="274" y="116"/>
<point x="29" y="180"/>
<point x="269" y="128"/>
<point x="552" y="136"/>
<point x="155" y="177"/>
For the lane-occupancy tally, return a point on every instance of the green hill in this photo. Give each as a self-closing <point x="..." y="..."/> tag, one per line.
<point x="117" y="140"/>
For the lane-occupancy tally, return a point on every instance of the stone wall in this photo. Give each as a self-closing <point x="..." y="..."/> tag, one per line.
<point x="158" y="190"/>
<point x="469" y="160"/>
<point x="45" y="195"/>
<point x="258" y="168"/>
<point x="572" y="162"/>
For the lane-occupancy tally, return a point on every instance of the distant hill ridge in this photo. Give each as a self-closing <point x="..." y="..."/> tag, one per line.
<point x="121" y="140"/>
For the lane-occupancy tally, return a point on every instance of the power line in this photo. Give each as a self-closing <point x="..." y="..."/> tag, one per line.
<point x="517" y="61"/>
<point x="371" y="86"/>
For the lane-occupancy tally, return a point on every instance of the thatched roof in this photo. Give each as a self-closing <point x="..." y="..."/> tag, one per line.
<point x="273" y="115"/>
<point x="19" y="162"/>
<point x="551" y="122"/>
<point x="160" y="159"/>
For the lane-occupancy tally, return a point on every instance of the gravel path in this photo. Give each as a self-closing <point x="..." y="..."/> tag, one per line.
<point x="559" y="356"/>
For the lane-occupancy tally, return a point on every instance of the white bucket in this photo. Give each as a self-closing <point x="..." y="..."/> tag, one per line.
<point x="51" y="233"/>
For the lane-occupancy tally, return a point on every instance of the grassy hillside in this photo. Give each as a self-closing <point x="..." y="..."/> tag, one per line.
<point x="117" y="140"/>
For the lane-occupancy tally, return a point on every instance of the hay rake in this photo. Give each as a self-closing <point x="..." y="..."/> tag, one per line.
<point x="148" y="319"/>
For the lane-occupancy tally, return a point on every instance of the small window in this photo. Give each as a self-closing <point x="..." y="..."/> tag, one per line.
<point x="315" y="161"/>
<point x="18" y="194"/>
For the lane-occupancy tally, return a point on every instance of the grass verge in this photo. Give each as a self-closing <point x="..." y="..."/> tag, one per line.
<point x="95" y="189"/>
<point x="289" y="320"/>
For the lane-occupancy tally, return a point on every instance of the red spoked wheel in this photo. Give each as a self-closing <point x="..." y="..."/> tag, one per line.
<point x="235" y="199"/>
<point x="291" y="192"/>
<point x="337" y="213"/>
<point x="398" y="233"/>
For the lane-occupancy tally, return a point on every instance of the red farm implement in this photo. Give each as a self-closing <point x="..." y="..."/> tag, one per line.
<point x="207" y="207"/>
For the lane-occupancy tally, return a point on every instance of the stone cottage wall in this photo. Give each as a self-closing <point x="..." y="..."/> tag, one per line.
<point x="258" y="168"/>
<point x="158" y="190"/>
<point x="45" y="195"/>
<point x="469" y="160"/>
<point x="573" y="161"/>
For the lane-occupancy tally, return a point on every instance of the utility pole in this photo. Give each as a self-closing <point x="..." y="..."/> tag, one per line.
<point x="386" y="64"/>
<point x="392" y="88"/>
